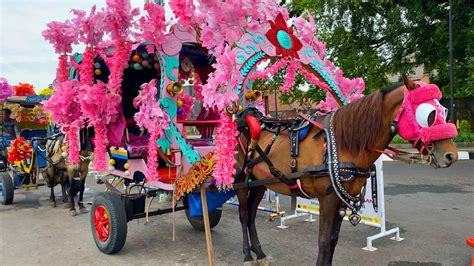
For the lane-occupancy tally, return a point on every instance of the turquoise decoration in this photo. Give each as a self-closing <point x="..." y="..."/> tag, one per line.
<point x="308" y="52"/>
<point x="246" y="50"/>
<point x="257" y="38"/>
<point x="162" y="74"/>
<point x="189" y="152"/>
<point x="284" y="39"/>
<point x="170" y="64"/>
<point x="249" y="48"/>
<point x="144" y="55"/>
<point x="251" y="62"/>
<point x="319" y="68"/>
<point x="241" y="58"/>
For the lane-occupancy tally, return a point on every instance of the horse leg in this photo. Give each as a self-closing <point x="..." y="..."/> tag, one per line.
<point x="72" y="208"/>
<point x="52" y="198"/>
<point x="82" y="209"/>
<point x="242" y="195"/>
<point x="329" y="226"/>
<point x="255" y="197"/>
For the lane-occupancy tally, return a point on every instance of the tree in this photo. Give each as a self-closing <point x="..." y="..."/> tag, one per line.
<point x="372" y="39"/>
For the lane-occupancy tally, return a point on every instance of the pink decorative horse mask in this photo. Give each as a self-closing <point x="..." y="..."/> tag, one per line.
<point x="422" y="120"/>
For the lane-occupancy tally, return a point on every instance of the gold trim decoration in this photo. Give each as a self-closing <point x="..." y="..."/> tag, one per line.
<point x="196" y="175"/>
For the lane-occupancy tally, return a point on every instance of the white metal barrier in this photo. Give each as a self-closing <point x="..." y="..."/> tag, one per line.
<point x="310" y="207"/>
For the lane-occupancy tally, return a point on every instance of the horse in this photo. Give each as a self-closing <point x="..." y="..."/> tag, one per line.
<point x="55" y="172"/>
<point x="359" y="132"/>
<point x="58" y="171"/>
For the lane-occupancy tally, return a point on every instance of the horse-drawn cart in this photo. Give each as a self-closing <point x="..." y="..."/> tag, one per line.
<point x="33" y="130"/>
<point x="140" y="96"/>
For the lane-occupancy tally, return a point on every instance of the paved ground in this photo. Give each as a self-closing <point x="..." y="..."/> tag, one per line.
<point x="433" y="208"/>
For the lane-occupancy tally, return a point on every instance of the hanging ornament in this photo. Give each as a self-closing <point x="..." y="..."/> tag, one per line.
<point x="136" y="58"/>
<point x="174" y="88"/>
<point x="179" y="103"/>
<point x="138" y="66"/>
<point x="97" y="65"/>
<point x="145" y="63"/>
<point x="144" y="55"/>
<point x="97" y="72"/>
<point x="232" y="108"/>
<point x="250" y="96"/>
<point x="156" y="66"/>
<point x="112" y="162"/>
<point x="126" y="166"/>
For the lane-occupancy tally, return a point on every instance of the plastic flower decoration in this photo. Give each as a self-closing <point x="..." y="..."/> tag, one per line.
<point x="23" y="89"/>
<point x="5" y="90"/>
<point x="280" y="35"/>
<point x="19" y="150"/>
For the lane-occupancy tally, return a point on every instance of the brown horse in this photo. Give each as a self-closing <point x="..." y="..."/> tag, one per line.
<point x="362" y="129"/>
<point x="59" y="172"/>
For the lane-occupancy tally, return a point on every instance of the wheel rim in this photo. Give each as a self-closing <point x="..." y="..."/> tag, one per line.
<point x="101" y="223"/>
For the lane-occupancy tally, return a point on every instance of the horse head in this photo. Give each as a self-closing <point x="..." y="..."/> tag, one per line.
<point x="421" y="120"/>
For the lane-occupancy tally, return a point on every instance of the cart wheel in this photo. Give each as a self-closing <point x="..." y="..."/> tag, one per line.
<point x="7" y="189"/>
<point x="108" y="222"/>
<point x="198" y="221"/>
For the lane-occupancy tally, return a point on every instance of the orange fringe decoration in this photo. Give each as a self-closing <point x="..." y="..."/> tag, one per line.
<point x="196" y="175"/>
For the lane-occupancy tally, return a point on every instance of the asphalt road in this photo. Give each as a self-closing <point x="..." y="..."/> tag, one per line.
<point x="434" y="209"/>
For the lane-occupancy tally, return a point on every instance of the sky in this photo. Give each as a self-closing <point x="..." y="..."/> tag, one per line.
<point x="24" y="55"/>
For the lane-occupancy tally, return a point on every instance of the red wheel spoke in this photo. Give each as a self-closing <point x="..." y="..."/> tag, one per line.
<point x="101" y="223"/>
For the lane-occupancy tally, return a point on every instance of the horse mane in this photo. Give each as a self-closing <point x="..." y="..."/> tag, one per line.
<point x="360" y="123"/>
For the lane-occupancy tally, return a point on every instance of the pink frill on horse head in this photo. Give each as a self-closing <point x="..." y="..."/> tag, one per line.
<point x="422" y="117"/>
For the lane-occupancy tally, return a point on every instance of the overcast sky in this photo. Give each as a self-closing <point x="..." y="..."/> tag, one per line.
<point x="24" y="55"/>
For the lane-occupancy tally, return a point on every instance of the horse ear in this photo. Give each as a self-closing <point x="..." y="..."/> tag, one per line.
<point x="408" y="82"/>
<point x="425" y="79"/>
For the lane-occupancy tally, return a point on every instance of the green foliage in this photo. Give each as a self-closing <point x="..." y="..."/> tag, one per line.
<point x="464" y="137"/>
<point x="398" y="140"/>
<point x="464" y="126"/>
<point x="373" y="39"/>
<point x="465" y="134"/>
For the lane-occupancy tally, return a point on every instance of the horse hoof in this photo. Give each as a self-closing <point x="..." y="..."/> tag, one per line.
<point x="250" y="263"/>
<point x="264" y="262"/>
<point x="73" y="213"/>
<point x="83" y="210"/>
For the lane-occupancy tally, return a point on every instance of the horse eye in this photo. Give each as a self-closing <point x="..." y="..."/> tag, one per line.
<point x="431" y="118"/>
<point x="425" y="115"/>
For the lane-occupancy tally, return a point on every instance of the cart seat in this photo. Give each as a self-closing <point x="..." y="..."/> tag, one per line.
<point x="137" y="146"/>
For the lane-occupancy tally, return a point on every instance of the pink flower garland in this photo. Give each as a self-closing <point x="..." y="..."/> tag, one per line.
<point x="5" y="90"/>
<point x="313" y="79"/>
<point x="290" y="77"/>
<point x="72" y="136"/>
<point x="224" y="80"/>
<point x="94" y="103"/>
<point x="183" y="10"/>
<point x="269" y="71"/>
<point x="154" y="25"/>
<point x="226" y="141"/>
<point x="86" y="69"/>
<point x="151" y="117"/>
<point x="100" y="148"/>
<point x="62" y="73"/>
<point x="65" y="112"/>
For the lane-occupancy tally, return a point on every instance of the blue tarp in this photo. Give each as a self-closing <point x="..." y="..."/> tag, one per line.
<point x="214" y="200"/>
